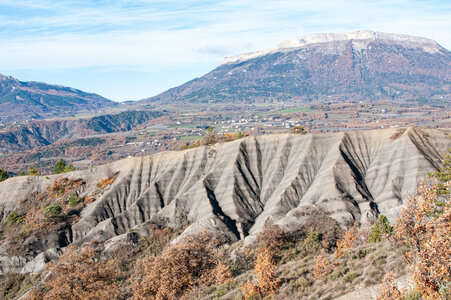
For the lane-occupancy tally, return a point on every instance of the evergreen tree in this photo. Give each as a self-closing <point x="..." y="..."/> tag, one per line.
<point x="59" y="167"/>
<point x="380" y="228"/>
<point x="3" y="175"/>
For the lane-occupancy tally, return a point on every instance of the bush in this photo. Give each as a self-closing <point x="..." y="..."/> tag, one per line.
<point x="299" y="129"/>
<point x="349" y="277"/>
<point x="239" y="135"/>
<point x="69" y="168"/>
<point x="73" y="200"/>
<point x="380" y="229"/>
<point x="33" y="171"/>
<point x="177" y="269"/>
<point x="14" y="218"/>
<point x="3" y="175"/>
<point x="211" y="137"/>
<point x="59" y="167"/>
<point x="412" y="295"/>
<point x="80" y="274"/>
<point x="52" y="210"/>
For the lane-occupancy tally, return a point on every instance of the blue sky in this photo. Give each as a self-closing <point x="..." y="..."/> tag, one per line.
<point x="133" y="49"/>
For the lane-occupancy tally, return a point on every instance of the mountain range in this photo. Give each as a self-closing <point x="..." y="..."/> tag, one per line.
<point x="362" y="65"/>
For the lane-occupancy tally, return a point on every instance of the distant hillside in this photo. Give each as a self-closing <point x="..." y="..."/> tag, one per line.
<point x="361" y="65"/>
<point x="43" y="133"/>
<point x="26" y="100"/>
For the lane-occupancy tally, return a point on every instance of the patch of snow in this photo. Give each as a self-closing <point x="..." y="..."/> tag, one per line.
<point x="357" y="37"/>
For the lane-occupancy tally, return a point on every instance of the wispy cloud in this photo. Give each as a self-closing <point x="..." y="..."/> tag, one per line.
<point x="150" y="36"/>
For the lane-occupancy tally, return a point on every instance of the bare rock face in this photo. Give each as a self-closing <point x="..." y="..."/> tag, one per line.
<point x="233" y="188"/>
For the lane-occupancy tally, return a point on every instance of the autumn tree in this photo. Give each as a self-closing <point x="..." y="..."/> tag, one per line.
<point x="424" y="227"/>
<point x="267" y="281"/>
<point x="349" y="240"/>
<point x="179" y="268"/>
<point x="80" y="274"/>
<point x="222" y="273"/>
<point x="389" y="289"/>
<point x="322" y="267"/>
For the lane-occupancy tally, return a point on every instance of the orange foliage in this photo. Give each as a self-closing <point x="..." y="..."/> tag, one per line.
<point x="105" y="182"/>
<point x="389" y="289"/>
<point x="322" y="267"/>
<point x="178" y="269"/>
<point x="424" y="226"/>
<point x="268" y="283"/>
<point x="250" y="289"/>
<point x="80" y="274"/>
<point x="222" y="273"/>
<point x="349" y="240"/>
<point x="63" y="186"/>
<point x="228" y="137"/>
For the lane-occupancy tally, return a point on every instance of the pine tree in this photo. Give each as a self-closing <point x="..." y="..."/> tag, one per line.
<point x="59" y="167"/>
<point x="3" y="175"/>
<point x="381" y="228"/>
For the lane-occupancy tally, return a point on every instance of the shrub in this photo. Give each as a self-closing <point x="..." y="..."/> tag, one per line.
<point x="59" y="166"/>
<point x="33" y="171"/>
<point x="73" y="200"/>
<point x="52" y="210"/>
<point x="3" y="175"/>
<point x="389" y="289"/>
<point x="14" y="218"/>
<point x="80" y="274"/>
<point x="349" y="277"/>
<point x="412" y="295"/>
<point x="299" y="129"/>
<point x="380" y="229"/>
<point x="177" y="269"/>
<point x="69" y="168"/>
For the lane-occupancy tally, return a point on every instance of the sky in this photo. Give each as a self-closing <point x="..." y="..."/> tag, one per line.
<point x="134" y="49"/>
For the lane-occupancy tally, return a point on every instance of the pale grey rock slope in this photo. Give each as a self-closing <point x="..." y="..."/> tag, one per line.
<point x="235" y="187"/>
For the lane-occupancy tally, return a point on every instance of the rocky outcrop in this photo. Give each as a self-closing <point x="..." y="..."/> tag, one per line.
<point x="233" y="188"/>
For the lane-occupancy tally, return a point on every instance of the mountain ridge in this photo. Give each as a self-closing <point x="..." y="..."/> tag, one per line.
<point x="341" y="70"/>
<point x="318" y="38"/>
<point x="20" y="100"/>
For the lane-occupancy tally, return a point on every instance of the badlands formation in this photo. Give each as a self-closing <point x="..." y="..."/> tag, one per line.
<point x="233" y="188"/>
